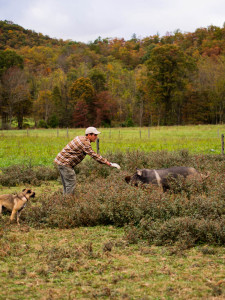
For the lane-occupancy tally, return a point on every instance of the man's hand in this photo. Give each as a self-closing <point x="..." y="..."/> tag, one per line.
<point x="115" y="165"/>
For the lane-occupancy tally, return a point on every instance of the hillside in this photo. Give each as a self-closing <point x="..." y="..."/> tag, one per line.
<point x="207" y="41"/>
<point x="178" y="78"/>
<point x="15" y="36"/>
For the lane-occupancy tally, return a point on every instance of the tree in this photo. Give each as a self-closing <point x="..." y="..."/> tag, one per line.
<point x="61" y="110"/>
<point x="40" y="60"/>
<point x="80" y="114"/>
<point x="10" y="59"/>
<point x="210" y="84"/>
<point x="106" y="108"/>
<point x="121" y="84"/>
<point x="43" y="106"/>
<point x="168" y="69"/>
<point x="82" y="88"/>
<point x="143" y="100"/>
<point x="16" y="100"/>
<point x="98" y="79"/>
<point x="83" y="93"/>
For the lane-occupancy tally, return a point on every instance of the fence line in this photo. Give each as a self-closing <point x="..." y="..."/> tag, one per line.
<point x="97" y="145"/>
<point x="222" y="144"/>
<point x="132" y="133"/>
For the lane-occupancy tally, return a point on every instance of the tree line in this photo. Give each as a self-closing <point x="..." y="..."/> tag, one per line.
<point x="175" y="79"/>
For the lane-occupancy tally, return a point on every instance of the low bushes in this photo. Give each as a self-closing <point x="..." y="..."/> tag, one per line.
<point x="191" y="212"/>
<point x="17" y="175"/>
<point x="161" y="218"/>
<point x="186" y="230"/>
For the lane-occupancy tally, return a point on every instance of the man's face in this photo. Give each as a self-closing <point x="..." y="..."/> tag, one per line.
<point x="92" y="137"/>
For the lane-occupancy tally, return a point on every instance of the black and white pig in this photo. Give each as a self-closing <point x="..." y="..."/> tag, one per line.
<point x="159" y="176"/>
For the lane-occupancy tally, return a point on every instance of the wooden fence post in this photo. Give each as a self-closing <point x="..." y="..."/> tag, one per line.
<point x="97" y="144"/>
<point x="222" y="144"/>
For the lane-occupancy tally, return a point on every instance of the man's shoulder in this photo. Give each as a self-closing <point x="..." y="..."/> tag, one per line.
<point x="82" y="139"/>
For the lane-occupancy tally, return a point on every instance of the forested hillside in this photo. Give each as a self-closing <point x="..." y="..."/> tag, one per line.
<point x="178" y="78"/>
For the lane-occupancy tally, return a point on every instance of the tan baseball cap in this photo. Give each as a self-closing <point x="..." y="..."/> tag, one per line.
<point x="92" y="130"/>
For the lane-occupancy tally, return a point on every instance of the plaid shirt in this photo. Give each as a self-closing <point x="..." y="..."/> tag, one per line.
<point x="75" y="152"/>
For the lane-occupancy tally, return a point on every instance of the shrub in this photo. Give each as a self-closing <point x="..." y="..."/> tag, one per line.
<point x="17" y="175"/>
<point x="161" y="218"/>
<point x="185" y="230"/>
<point x="42" y="124"/>
<point x="191" y="212"/>
<point x="53" y="121"/>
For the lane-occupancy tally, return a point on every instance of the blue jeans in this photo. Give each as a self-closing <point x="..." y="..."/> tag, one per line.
<point x="68" y="178"/>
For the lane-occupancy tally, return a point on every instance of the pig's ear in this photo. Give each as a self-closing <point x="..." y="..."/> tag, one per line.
<point x="139" y="172"/>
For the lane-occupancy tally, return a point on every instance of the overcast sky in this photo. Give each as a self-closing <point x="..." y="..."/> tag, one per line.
<point x="86" y="20"/>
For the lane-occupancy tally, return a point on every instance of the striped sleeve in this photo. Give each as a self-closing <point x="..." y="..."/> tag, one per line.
<point x="86" y="147"/>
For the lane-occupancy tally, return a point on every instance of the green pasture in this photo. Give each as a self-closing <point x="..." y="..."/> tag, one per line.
<point x="40" y="146"/>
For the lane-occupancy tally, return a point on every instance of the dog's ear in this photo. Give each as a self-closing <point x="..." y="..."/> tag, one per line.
<point x="139" y="172"/>
<point x="29" y="191"/>
<point x="23" y="190"/>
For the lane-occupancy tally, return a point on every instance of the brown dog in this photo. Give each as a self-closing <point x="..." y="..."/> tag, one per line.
<point x="16" y="203"/>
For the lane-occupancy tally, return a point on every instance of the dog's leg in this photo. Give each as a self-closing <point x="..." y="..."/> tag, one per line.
<point x="13" y="214"/>
<point x="18" y="216"/>
<point x="0" y="211"/>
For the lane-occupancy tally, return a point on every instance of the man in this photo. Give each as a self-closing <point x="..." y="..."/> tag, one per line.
<point x="73" y="154"/>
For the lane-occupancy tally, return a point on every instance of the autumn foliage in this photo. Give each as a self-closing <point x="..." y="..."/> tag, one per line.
<point x="178" y="78"/>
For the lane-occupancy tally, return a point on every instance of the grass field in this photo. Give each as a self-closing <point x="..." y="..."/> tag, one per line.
<point x="40" y="146"/>
<point x="113" y="241"/>
<point x="97" y="263"/>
